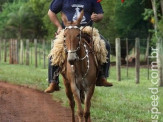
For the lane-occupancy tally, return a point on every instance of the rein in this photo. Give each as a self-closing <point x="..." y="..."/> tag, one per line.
<point x="87" y="24"/>
<point x="91" y="33"/>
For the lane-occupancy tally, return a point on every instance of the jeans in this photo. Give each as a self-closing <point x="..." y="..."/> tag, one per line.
<point x="53" y="71"/>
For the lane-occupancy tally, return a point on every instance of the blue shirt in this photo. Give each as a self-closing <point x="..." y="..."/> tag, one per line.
<point x="72" y="8"/>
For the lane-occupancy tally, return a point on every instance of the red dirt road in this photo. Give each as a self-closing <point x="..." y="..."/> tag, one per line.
<point x="21" y="104"/>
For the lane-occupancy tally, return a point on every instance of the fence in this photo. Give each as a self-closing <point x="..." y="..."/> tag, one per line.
<point x="140" y="48"/>
<point x="26" y="52"/>
<point x="35" y="53"/>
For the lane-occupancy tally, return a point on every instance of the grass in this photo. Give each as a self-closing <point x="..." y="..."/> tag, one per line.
<point x="124" y="102"/>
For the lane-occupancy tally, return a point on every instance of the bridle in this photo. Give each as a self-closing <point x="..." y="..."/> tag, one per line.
<point x="78" y="48"/>
<point x="65" y="48"/>
<point x="75" y="27"/>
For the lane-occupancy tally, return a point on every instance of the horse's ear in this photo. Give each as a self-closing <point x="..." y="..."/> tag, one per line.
<point x="64" y="19"/>
<point x="77" y="22"/>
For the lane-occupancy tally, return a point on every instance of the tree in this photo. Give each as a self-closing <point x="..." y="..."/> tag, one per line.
<point x="4" y="1"/>
<point x="161" y="3"/>
<point x="47" y="27"/>
<point x="106" y="26"/>
<point x="129" y="20"/>
<point x="22" y="20"/>
<point x="123" y="20"/>
<point x="154" y="13"/>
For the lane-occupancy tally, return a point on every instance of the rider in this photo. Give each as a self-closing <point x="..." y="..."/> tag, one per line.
<point x="71" y="8"/>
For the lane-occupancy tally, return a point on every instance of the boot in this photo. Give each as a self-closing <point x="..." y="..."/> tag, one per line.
<point x="52" y="87"/>
<point x="101" y="81"/>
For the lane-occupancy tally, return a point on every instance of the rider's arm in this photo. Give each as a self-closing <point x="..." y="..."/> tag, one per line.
<point x="55" y="7"/>
<point x="54" y="19"/>
<point x="97" y="11"/>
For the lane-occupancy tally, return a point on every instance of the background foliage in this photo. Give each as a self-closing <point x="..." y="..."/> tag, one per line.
<point x="29" y="19"/>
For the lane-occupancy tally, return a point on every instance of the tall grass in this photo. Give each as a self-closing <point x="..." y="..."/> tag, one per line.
<point x="124" y="102"/>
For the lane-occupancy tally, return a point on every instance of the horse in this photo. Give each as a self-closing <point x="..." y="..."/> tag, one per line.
<point x="81" y="69"/>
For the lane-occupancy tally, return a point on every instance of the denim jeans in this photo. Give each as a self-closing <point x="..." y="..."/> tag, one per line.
<point x="53" y="72"/>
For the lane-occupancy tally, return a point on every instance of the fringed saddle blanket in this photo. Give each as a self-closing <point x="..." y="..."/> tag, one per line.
<point x="58" y="53"/>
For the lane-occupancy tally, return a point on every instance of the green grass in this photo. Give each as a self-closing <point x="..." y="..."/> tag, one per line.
<point x="23" y="75"/>
<point x="124" y="102"/>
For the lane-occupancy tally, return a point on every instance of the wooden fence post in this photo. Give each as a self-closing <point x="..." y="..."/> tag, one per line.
<point x="118" y="59"/>
<point x="39" y="55"/>
<point x="147" y="56"/>
<point x="18" y="48"/>
<point x="137" y="59"/>
<point x="127" y="55"/>
<point x="5" y="51"/>
<point x="27" y="52"/>
<point x="147" y="50"/>
<point x="31" y="57"/>
<point x="21" y="51"/>
<point x="11" y="52"/>
<point x="35" y="42"/>
<point x="16" y="52"/>
<point x="44" y="54"/>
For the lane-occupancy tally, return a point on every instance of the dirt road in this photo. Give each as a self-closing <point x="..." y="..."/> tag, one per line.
<point x="21" y="104"/>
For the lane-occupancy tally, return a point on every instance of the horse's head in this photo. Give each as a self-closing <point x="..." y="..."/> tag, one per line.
<point x="72" y="37"/>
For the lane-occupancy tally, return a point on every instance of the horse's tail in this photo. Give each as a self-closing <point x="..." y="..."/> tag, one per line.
<point x="82" y="96"/>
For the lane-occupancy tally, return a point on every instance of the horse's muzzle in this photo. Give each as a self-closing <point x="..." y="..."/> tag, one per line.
<point x="71" y="57"/>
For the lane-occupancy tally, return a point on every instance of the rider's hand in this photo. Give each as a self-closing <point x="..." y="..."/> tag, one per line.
<point x="58" y="31"/>
<point x="94" y="17"/>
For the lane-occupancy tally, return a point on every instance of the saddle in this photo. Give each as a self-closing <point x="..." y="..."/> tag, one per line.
<point x="93" y="38"/>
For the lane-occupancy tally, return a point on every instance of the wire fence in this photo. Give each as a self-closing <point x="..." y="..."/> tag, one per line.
<point x="27" y="52"/>
<point x="126" y="53"/>
<point x="137" y="53"/>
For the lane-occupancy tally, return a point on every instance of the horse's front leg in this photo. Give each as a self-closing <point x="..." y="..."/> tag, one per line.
<point x="76" y="93"/>
<point x="71" y="99"/>
<point x="87" y="103"/>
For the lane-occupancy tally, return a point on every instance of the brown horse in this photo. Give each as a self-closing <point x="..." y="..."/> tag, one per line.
<point x="81" y="69"/>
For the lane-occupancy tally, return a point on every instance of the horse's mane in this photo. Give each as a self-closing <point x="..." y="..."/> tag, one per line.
<point x="58" y="53"/>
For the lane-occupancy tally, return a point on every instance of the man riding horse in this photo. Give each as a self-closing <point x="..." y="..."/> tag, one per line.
<point x="93" y="12"/>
